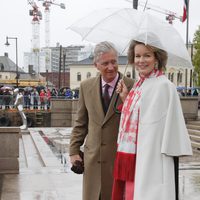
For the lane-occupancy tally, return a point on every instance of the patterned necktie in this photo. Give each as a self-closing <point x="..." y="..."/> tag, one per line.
<point x="106" y="98"/>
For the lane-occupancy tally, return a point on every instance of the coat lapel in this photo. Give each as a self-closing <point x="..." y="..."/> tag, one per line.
<point x="111" y="111"/>
<point x="96" y="97"/>
<point x="101" y="118"/>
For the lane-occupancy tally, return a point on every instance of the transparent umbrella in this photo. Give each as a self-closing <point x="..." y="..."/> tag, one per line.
<point x="120" y="26"/>
<point x="5" y="87"/>
<point x="28" y="89"/>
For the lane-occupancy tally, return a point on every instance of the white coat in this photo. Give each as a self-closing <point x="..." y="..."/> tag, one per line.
<point x="162" y="134"/>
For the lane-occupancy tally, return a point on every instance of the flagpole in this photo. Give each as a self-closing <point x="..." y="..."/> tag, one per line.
<point x="187" y="25"/>
<point x="187" y="46"/>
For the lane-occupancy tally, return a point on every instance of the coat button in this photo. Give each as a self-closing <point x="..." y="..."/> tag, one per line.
<point x="101" y="162"/>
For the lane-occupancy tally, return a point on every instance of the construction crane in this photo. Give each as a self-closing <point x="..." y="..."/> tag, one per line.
<point x="37" y="16"/>
<point x="170" y="16"/>
<point x="34" y="55"/>
<point x="47" y="4"/>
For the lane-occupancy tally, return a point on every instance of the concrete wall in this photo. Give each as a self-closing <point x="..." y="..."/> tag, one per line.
<point x="190" y="107"/>
<point x="35" y="119"/>
<point x="9" y="150"/>
<point x="63" y="112"/>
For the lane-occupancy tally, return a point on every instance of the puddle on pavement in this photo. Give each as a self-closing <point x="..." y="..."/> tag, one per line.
<point x="60" y="153"/>
<point x="189" y="178"/>
<point x="189" y="184"/>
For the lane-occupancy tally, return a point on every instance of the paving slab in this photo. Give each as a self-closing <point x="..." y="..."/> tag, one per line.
<point x="59" y="183"/>
<point x="42" y="186"/>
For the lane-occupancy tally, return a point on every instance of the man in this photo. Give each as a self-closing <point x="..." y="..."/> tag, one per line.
<point x="97" y="125"/>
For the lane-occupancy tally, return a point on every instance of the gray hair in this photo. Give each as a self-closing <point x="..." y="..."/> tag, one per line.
<point x="103" y="47"/>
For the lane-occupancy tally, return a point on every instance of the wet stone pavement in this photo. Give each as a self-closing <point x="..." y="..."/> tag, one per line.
<point x="45" y="170"/>
<point x="189" y="177"/>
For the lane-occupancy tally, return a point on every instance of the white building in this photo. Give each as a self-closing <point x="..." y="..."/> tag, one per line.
<point x="84" y="69"/>
<point x="34" y="61"/>
<point x="49" y="58"/>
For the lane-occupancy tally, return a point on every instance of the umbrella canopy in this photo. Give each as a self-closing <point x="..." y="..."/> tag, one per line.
<point x="6" y="88"/>
<point x="28" y="89"/>
<point x="120" y="26"/>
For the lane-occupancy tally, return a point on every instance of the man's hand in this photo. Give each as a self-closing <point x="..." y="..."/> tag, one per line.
<point x="73" y="158"/>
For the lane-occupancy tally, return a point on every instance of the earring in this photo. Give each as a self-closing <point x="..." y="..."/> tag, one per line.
<point x="156" y="66"/>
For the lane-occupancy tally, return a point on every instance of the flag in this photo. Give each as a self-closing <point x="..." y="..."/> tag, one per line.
<point x="185" y="8"/>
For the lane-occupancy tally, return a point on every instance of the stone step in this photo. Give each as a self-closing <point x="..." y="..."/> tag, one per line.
<point x="196" y="122"/>
<point x="48" y="157"/>
<point x="195" y="138"/>
<point x="31" y="156"/>
<point x="196" y="145"/>
<point x="194" y="127"/>
<point x="194" y="132"/>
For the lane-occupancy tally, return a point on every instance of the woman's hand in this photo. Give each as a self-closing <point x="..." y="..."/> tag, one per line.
<point x="122" y="90"/>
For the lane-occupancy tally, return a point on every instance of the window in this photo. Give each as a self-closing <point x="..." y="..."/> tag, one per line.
<point x="181" y="78"/>
<point x="178" y="77"/>
<point x="128" y="74"/>
<point x="172" y="77"/>
<point x="169" y="75"/>
<point x="1" y="67"/>
<point x="88" y="75"/>
<point x="78" y="76"/>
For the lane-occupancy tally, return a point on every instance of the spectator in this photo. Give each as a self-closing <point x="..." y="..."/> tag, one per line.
<point x="42" y="98"/>
<point x="7" y="98"/>
<point x="68" y="94"/>
<point x="27" y="99"/>
<point x="48" y="97"/>
<point x="54" y="92"/>
<point x="34" y="98"/>
<point x="76" y="94"/>
<point x="195" y="93"/>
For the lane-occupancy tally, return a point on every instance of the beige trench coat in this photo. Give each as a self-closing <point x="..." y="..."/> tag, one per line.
<point x="99" y="132"/>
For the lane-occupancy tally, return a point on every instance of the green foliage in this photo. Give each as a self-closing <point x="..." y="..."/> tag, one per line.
<point x="196" y="57"/>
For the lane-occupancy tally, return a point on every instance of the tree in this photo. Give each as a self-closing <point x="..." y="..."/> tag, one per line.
<point x="196" y="57"/>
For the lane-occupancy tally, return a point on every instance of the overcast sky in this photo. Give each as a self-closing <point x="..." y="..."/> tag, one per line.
<point x="16" y="22"/>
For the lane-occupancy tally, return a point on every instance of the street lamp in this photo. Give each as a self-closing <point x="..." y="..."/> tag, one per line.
<point x="7" y="44"/>
<point x="64" y="59"/>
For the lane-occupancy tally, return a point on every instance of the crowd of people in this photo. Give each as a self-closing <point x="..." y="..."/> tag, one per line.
<point x="34" y="97"/>
<point x="188" y="92"/>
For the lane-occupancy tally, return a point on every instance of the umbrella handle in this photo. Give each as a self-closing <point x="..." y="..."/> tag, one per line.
<point x="116" y="110"/>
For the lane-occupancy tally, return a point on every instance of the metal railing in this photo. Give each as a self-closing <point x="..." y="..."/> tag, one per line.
<point x="29" y="102"/>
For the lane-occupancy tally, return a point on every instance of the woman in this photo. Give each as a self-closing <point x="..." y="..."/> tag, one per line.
<point x="152" y="130"/>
